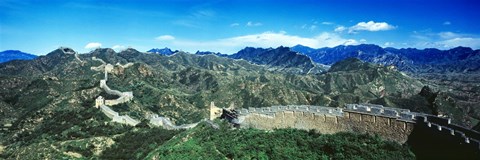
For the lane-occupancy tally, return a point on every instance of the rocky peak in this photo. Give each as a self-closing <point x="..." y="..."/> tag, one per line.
<point x="348" y="65"/>
<point x="103" y="50"/>
<point x="67" y="50"/>
<point x="163" y="51"/>
<point x="62" y="51"/>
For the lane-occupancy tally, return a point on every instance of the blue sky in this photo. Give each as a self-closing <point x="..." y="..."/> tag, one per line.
<point x="227" y="26"/>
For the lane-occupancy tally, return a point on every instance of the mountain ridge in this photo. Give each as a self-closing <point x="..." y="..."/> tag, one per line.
<point x="429" y="60"/>
<point x="163" y="51"/>
<point x="9" y="55"/>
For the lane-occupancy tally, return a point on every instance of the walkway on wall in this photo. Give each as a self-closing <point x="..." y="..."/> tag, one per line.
<point x="123" y="96"/>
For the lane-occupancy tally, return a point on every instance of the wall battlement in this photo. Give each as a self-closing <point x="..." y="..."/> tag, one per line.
<point x="444" y="125"/>
<point x="125" y="119"/>
<point x="270" y="111"/>
<point x="164" y="122"/>
<point x="390" y="123"/>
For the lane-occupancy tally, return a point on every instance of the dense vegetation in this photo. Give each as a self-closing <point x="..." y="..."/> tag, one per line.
<point x="138" y="143"/>
<point x="205" y="142"/>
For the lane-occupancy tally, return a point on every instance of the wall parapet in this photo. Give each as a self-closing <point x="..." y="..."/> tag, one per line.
<point x="125" y="119"/>
<point x="165" y="122"/>
<point x="379" y="110"/>
<point x="444" y="125"/>
<point x="270" y="111"/>
<point x="404" y="116"/>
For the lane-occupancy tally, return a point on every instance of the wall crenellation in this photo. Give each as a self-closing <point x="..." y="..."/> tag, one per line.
<point x="328" y="120"/>
<point x="318" y="110"/>
<point x="391" y="123"/>
<point x="444" y="125"/>
<point x="401" y="114"/>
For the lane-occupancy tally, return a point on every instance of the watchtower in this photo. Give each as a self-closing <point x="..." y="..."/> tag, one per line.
<point x="99" y="101"/>
<point x="215" y="112"/>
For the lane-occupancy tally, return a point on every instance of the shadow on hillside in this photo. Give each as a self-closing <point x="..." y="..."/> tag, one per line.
<point x="430" y="143"/>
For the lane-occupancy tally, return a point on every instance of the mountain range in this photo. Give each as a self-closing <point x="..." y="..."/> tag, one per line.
<point x="456" y="60"/>
<point x="49" y="100"/>
<point x="163" y="51"/>
<point x="10" y="55"/>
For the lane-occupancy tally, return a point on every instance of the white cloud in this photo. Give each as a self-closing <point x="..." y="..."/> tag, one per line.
<point x="327" y="23"/>
<point x="388" y="44"/>
<point x="455" y="42"/>
<point x="340" y="29"/>
<point x="445" y="40"/>
<point x="203" y="13"/>
<point x="253" y="24"/>
<point x="371" y="26"/>
<point x="186" y="23"/>
<point x="265" y="39"/>
<point x="304" y="26"/>
<point x="119" y="47"/>
<point x="93" y="45"/>
<point x="165" y="38"/>
<point x="234" y="24"/>
<point x="448" y="35"/>
<point x="447" y="23"/>
<point x="309" y="27"/>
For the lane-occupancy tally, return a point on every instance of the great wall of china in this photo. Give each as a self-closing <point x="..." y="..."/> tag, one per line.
<point x="390" y="123"/>
<point x="124" y="97"/>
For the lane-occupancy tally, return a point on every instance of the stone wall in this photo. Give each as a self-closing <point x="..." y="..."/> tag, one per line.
<point x="164" y="122"/>
<point x="108" y="111"/>
<point x="439" y="125"/>
<point x="389" y="123"/>
<point x="328" y="121"/>
<point x="123" y="96"/>
<point x="125" y="119"/>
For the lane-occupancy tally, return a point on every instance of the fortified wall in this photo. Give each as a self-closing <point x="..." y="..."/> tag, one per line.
<point x="125" y="119"/>
<point x="389" y="123"/>
<point x="124" y="97"/>
<point x="166" y="123"/>
<point x="329" y="120"/>
<point x="103" y="104"/>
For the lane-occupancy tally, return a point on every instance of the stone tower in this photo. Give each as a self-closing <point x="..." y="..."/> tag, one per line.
<point x="215" y="112"/>
<point x="99" y="101"/>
